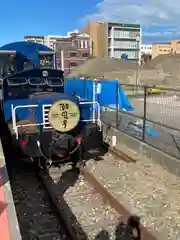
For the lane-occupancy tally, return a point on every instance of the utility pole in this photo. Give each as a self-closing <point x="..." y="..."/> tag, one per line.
<point x="137" y="61"/>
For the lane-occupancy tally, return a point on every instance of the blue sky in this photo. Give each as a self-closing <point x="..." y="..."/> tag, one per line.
<point x="41" y="17"/>
<point x="56" y="17"/>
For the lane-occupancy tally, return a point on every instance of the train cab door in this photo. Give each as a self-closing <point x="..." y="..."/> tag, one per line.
<point x="7" y="62"/>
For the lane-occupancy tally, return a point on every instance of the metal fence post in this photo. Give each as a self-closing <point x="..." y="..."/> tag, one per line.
<point x="117" y="104"/>
<point x="145" y="113"/>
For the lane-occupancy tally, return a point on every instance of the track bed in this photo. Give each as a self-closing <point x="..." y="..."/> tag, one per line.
<point x="36" y="214"/>
<point x="85" y="211"/>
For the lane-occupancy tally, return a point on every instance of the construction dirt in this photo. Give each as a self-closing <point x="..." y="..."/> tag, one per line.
<point x="162" y="70"/>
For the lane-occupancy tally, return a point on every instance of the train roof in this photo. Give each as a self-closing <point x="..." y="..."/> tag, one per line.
<point x="26" y="47"/>
<point x="29" y="50"/>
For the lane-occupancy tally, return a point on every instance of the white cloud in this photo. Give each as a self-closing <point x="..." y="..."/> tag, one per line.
<point x="157" y="34"/>
<point x="161" y="12"/>
<point x="148" y="13"/>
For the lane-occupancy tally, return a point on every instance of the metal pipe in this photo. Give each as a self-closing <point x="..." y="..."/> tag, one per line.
<point x="137" y="75"/>
<point x="94" y="100"/>
<point x="145" y="113"/>
<point x="137" y="61"/>
<point x="117" y="103"/>
<point x="62" y="60"/>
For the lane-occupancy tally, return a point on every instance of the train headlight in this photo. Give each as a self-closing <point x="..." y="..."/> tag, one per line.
<point x="64" y="115"/>
<point x="45" y="73"/>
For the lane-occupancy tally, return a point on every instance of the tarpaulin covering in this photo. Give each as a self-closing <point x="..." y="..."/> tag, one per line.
<point x="105" y="96"/>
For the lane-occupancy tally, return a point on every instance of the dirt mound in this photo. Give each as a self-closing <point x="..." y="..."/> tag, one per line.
<point x="98" y="66"/>
<point x="111" y="68"/>
<point x="159" y="59"/>
<point x="166" y="62"/>
<point x="169" y="66"/>
<point x="164" y="69"/>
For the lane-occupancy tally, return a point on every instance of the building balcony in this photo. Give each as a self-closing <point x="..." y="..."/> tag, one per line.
<point x="122" y="37"/>
<point x="124" y="48"/>
<point x="133" y="38"/>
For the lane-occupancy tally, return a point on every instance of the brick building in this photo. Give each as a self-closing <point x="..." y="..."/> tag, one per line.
<point x="72" y="51"/>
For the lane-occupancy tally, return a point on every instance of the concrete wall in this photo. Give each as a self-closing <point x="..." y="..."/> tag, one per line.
<point x="138" y="149"/>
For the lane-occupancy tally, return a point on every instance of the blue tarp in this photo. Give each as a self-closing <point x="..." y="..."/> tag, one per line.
<point x="107" y="96"/>
<point x="151" y="132"/>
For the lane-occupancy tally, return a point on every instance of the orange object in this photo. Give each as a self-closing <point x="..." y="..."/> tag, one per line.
<point x="4" y="226"/>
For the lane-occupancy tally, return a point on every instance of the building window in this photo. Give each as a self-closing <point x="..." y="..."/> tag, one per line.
<point x="85" y="54"/>
<point x="121" y="34"/>
<point x="73" y="64"/>
<point x="125" y="44"/>
<point x="72" y="54"/>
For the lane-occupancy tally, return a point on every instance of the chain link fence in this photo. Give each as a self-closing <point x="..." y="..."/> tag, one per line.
<point x="155" y="118"/>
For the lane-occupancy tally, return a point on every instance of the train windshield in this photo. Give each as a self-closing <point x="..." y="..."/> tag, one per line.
<point x="37" y="81"/>
<point x="51" y="81"/>
<point x="55" y="82"/>
<point x="17" y="81"/>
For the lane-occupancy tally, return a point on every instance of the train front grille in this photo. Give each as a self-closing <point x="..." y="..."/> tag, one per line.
<point x="45" y="109"/>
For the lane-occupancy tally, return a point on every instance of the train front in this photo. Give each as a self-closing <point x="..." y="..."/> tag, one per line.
<point x="48" y="124"/>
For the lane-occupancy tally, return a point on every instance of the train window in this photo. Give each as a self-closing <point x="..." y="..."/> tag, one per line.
<point x="37" y="81"/>
<point x="55" y="82"/>
<point x="16" y="81"/>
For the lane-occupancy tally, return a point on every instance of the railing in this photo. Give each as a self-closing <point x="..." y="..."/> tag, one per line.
<point x="14" y="120"/>
<point x="45" y="121"/>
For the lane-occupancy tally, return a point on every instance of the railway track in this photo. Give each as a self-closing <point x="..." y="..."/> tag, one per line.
<point x="38" y="219"/>
<point x="82" y="208"/>
<point x="88" y="210"/>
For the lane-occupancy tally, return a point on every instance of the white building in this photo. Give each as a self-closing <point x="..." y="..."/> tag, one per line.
<point x="47" y="40"/>
<point x="38" y="39"/>
<point x="124" y="39"/>
<point x="146" y="49"/>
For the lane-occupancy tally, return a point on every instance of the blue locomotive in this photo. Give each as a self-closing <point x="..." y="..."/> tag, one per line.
<point x="48" y="126"/>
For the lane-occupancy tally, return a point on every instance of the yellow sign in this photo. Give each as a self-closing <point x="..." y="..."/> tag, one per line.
<point x="64" y="115"/>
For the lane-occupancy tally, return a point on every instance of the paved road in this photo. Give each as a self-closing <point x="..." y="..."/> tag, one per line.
<point x="165" y="110"/>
